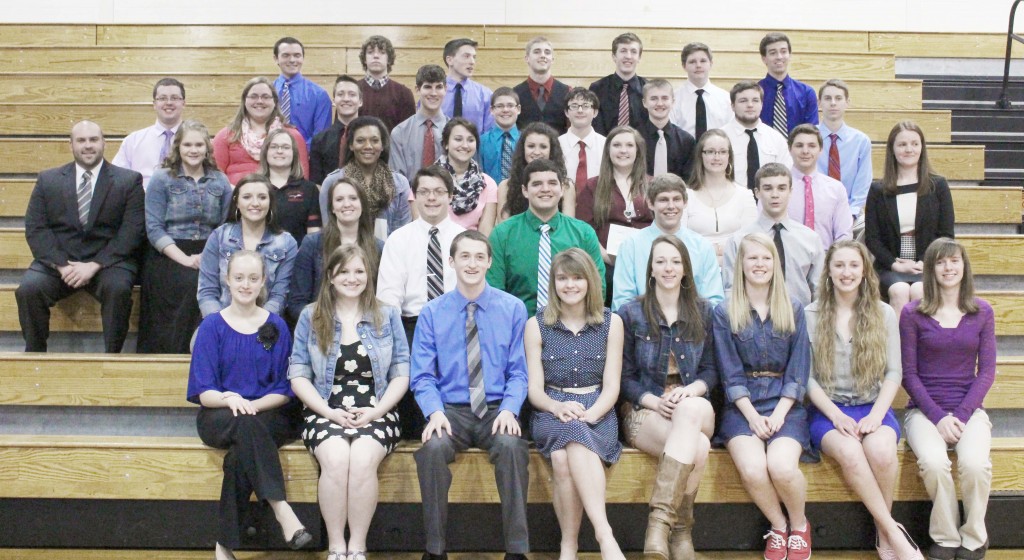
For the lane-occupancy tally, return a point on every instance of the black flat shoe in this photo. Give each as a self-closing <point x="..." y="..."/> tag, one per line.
<point x="300" y="539"/>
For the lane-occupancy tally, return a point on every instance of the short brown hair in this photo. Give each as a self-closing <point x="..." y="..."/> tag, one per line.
<point x="626" y="38"/>
<point x="836" y="83"/>
<point x="666" y="182"/>
<point x="691" y="48"/>
<point x="773" y="37"/>
<point x="744" y="86"/>
<point x="771" y="170"/>
<point x="805" y="128"/>
<point x="377" y="42"/>
<point x="453" y="46"/>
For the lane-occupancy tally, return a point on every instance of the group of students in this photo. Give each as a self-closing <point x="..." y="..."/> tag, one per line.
<point x="546" y="224"/>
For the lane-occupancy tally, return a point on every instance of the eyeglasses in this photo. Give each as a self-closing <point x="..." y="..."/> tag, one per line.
<point x="436" y="193"/>
<point x="264" y="97"/>
<point x="165" y="99"/>
<point x="580" y="106"/>
<point x="505" y="106"/>
<point x="279" y="147"/>
<point x="723" y="153"/>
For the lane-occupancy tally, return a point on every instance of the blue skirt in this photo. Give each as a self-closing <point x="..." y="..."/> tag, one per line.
<point x="821" y="425"/>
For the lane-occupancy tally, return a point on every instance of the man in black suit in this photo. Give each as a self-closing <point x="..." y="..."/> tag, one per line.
<point x="621" y="93"/>
<point x="84" y="223"/>
<point x="541" y="96"/>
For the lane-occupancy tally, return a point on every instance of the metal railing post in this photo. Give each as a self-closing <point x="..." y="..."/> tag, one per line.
<point x="1004" y="99"/>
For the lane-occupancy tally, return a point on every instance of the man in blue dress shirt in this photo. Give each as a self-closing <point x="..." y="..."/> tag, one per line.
<point x="469" y="378"/>
<point x="849" y="161"/>
<point x="464" y="97"/>
<point x="799" y="104"/>
<point x="304" y="104"/>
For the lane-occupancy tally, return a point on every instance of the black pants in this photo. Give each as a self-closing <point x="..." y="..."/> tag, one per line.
<point x="168" y="308"/>
<point x="409" y="413"/>
<point x="39" y="291"/>
<point x="251" y="464"/>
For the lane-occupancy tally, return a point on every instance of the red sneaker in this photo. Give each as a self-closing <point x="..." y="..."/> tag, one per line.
<point x="775" y="545"/>
<point x="799" y="543"/>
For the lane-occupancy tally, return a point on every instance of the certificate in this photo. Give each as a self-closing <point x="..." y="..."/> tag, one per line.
<point x="616" y="235"/>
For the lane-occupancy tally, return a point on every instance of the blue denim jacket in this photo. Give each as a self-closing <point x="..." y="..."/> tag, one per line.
<point x="309" y="266"/>
<point x="181" y="208"/>
<point x="759" y="348"/>
<point x="278" y="252"/>
<point x="645" y="358"/>
<point x="388" y="350"/>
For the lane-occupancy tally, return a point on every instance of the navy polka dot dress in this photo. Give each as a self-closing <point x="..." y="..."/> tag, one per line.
<point x="575" y="360"/>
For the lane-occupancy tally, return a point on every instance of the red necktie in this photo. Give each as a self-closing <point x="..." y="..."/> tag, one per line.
<point x="624" y="105"/>
<point x="808" y="202"/>
<point x="833" y="158"/>
<point x="428" y="144"/>
<point x="581" y="169"/>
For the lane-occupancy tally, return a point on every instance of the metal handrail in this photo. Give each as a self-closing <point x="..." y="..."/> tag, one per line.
<point x="1004" y="99"/>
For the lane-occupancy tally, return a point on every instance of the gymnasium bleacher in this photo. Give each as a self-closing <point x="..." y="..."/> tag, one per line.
<point x="98" y="453"/>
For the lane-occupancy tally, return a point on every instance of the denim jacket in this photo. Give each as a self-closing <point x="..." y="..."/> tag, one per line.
<point x="388" y="350"/>
<point x="278" y="252"/>
<point x="645" y="358"/>
<point x="183" y="208"/>
<point x="759" y="348"/>
<point x="309" y="265"/>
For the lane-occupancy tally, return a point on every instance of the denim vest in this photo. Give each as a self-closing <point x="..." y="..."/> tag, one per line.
<point x="387" y="349"/>
<point x="645" y="358"/>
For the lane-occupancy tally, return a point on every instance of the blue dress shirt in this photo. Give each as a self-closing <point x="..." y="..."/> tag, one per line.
<point x="310" y="106"/>
<point x="801" y="102"/>
<point x="440" y="374"/>
<point x="854" y="163"/>
<point x="490" y="151"/>
<point x="476" y="103"/>
<point x="631" y="265"/>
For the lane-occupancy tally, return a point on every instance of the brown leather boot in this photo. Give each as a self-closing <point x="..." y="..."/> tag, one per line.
<point x="666" y="499"/>
<point x="681" y="542"/>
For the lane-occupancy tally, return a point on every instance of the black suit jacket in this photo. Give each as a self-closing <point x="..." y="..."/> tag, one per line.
<point x="608" y="90"/>
<point x="554" y="110"/>
<point x="323" y="156"/>
<point x="882" y="221"/>
<point x="114" y="231"/>
<point x="679" y="144"/>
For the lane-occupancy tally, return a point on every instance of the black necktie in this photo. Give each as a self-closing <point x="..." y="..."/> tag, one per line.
<point x="777" y="237"/>
<point x="541" y="102"/>
<point x="753" y="159"/>
<point x="702" y="115"/>
<point x="457" y="110"/>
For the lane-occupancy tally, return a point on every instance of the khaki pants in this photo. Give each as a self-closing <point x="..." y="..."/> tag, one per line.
<point x="974" y="468"/>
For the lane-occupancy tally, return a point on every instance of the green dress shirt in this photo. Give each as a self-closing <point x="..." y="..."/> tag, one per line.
<point x="515" y="244"/>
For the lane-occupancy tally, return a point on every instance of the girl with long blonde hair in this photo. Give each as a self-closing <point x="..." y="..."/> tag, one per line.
<point x="764" y="359"/>
<point x="856" y="371"/>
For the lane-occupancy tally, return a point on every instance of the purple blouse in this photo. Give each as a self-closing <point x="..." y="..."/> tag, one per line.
<point x="948" y="370"/>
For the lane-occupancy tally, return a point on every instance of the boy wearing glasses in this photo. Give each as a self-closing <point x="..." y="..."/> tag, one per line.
<point x="144" y="150"/>
<point x="498" y="143"/>
<point x="581" y="145"/>
<point x="541" y="95"/>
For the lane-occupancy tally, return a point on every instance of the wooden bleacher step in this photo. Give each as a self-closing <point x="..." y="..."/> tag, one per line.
<point x="106" y="554"/>
<point x="182" y="468"/>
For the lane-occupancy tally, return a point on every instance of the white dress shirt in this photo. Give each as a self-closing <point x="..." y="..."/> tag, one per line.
<point x="571" y="150"/>
<point x="79" y="171"/>
<point x="771" y="147"/>
<point x="716" y="102"/>
<point x="402" y="277"/>
<point x="805" y="256"/>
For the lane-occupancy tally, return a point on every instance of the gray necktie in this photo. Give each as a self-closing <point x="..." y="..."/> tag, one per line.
<point x="84" y="197"/>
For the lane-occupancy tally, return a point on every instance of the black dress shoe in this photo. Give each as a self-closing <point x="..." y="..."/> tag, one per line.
<point x="429" y="556"/>
<point x="515" y="556"/>
<point x="300" y="539"/>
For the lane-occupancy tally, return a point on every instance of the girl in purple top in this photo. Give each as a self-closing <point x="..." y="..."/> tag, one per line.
<point x="238" y="376"/>
<point x="949" y="363"/>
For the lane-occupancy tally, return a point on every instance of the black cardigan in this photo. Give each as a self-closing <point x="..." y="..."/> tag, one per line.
<point x="882" y="222"/>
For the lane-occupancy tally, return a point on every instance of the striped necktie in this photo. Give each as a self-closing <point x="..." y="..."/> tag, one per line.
<point x="286" y="102"/>
<point x="543" y="265"/>
<point x="779" y="112"/>
<point x="435" y="274"/>
<point x="624" y="105"/>
<point x="833" y="158"/>
<point x="84" y="197"/>
<point x="477" y="392"/>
